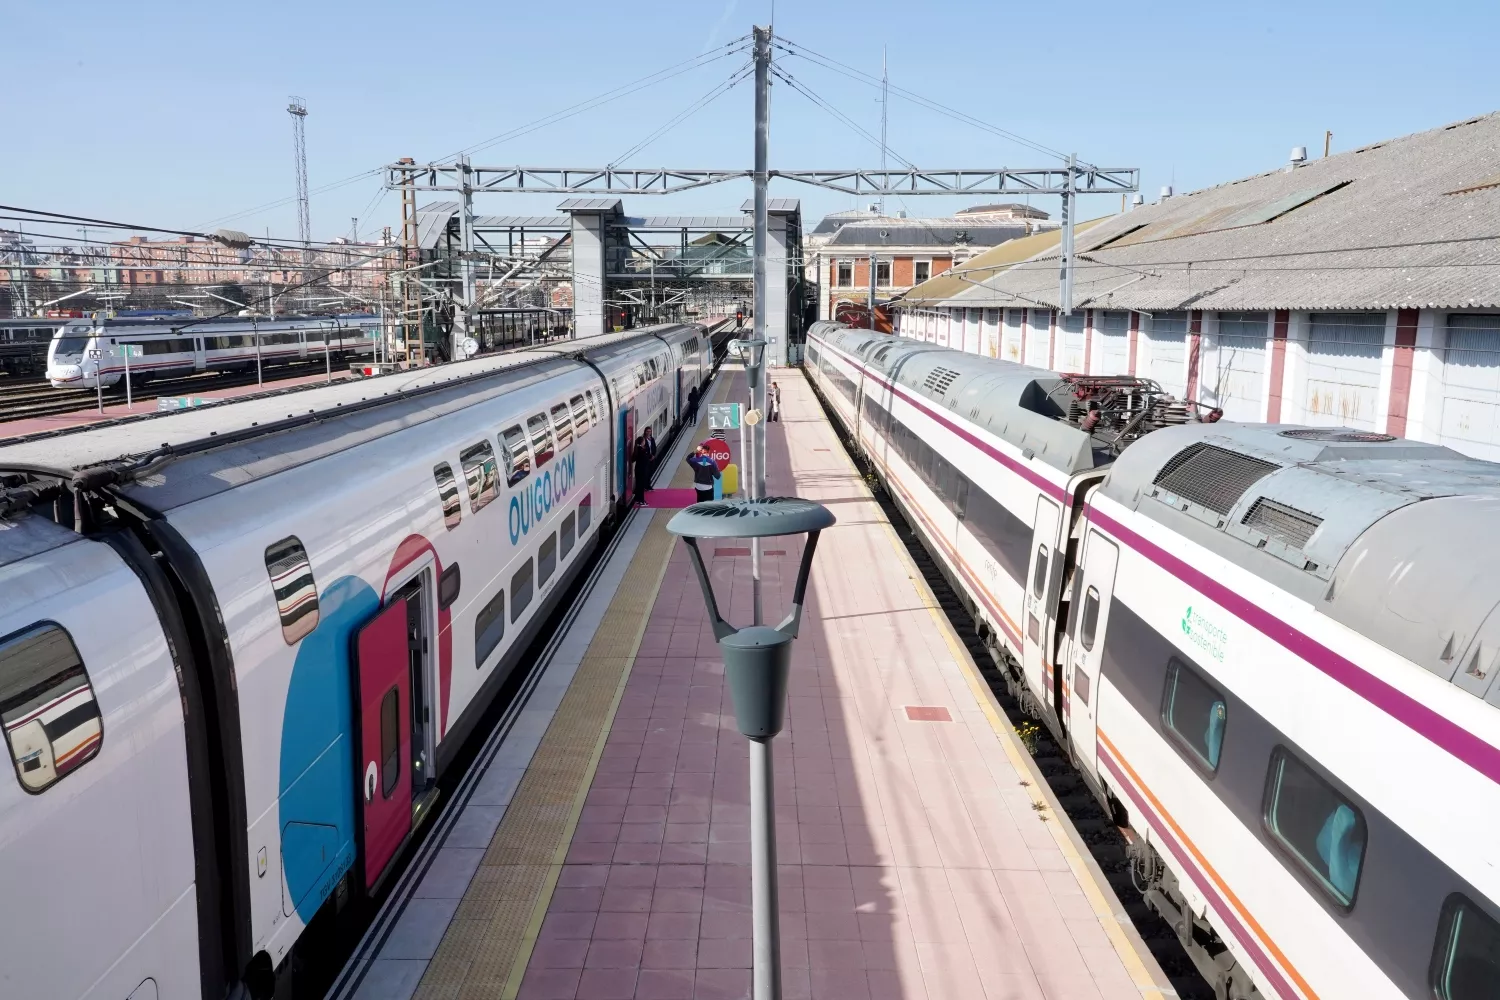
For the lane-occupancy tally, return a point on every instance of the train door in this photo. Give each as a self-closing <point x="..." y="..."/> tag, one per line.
<point x="200" y="356"/>
<point x="391" y="654"/>
<point x="626" y="450"/>
<point x="1085" y="645"/>
<point x="1039" y="606"/>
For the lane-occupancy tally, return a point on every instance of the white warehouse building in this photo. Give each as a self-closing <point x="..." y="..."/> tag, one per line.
<point x="1359" y="290"/>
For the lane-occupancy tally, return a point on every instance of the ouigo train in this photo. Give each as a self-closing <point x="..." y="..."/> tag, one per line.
<point x="1271" y="651"/>
<point x="240" y="644"/>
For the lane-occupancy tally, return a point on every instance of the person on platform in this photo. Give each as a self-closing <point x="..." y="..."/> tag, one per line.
<point x="650" y="436"/>
<point x="776" y="402"/>
<point x="640" y="458"/>
<point x="705" y="471"/>
<point x="692" y="407"/>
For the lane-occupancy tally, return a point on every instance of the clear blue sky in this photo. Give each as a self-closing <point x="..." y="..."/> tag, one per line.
<point x="173" y="114"/>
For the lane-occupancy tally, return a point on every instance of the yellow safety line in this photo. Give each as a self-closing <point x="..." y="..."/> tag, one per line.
<point x="1149" y="983"/>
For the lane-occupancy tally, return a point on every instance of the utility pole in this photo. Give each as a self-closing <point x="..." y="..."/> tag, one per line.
<point x="873" y="262"/>
<point x="765" y="920"/>
<point x="1065" y="273"/>
<point x="298" y="110"/>
<point x="466" y="268"/>
<point x="885" y="98"/>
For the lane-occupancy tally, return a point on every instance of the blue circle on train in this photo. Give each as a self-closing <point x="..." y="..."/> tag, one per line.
<point x="316" y="783"/>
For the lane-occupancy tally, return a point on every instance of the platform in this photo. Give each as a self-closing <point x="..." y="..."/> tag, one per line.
<point x="603" y="852"/>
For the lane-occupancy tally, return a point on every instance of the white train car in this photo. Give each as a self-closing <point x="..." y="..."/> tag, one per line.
<point x="248" y="639"/>
<point x="1270" y="650"/>
<point x="87" y="352"/>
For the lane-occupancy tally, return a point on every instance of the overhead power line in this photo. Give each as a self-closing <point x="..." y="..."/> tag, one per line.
<point x="735" y="78"/>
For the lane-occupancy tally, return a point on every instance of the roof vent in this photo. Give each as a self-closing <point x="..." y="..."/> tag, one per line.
<point x="1210" y="476"/>
<point x="1298" y="158"/>
<point x="1337" y="436"/>
<point x="1166" y="192"/>
<point x="939" y="379"/>
<point x="1283" y="523"/>
<point x="1137" y="200"/>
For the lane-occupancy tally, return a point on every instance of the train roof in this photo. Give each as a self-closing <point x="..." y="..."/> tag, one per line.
<point x="164" y="460"/>
<point x="1012" y="401"/>
<point x="1393" y="538"/>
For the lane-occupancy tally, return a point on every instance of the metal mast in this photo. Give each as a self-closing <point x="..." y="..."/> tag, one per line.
<point x="885" y="98"/>
<point x="298" y="110"/>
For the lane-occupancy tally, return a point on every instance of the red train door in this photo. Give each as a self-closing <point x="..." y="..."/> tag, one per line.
<point x="384" y="684"/>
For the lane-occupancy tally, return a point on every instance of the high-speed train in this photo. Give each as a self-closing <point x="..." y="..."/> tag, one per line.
<point x="240" y="644"/>
<point x="1271" y="651"/>
<point x="84" y="350"/>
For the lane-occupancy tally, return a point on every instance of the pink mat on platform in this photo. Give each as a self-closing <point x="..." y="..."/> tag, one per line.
<point x="671" y="499"/>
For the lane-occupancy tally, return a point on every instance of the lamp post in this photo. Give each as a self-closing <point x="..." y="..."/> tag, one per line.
<point x="757" y="664"/>
<point x="753" y="353"/>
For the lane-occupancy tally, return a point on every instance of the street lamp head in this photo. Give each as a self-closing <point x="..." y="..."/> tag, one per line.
<point x="757" y="659"/>
<point x="752" y="352"/>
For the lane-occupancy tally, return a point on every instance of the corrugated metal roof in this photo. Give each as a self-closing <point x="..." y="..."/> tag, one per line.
<point x="432" y="221"/>
<point x="733" y="223"/>
<point x="558" y="222"/>
<point x="1382" y="235"/>
<point x="775" y="206"/>
<point x="591" y="205"/>
<point x="943" y="287"/>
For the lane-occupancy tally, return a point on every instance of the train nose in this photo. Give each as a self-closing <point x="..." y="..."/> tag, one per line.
<point x="62" y="374"/>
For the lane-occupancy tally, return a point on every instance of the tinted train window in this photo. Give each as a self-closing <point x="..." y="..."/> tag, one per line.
<point x="479" y="472"/>
<point x="546" y="559"/>
<point x="489" y="628"/>
<point x="294" y="587"/>
<point x="390" y="741"/>
<point x="1039" y="575"/>
<point x="585" y="513"/>
<point x="563" y="421"/>
<point x="1466" y="961"/>
<point x="541" y="438"/>
<point x="520" y="590"/>
<point x="447" y="486"/>
<point x="1090" y="623"/>
<point x="1193" y="712"/>
<point x="449" y="584"/>
<point x="47" y="707"/>
<point x="1317" y="827"/>
<point x="580" y="415"/>
<point x="513" y="450"/>
<point x="566" y="533"/>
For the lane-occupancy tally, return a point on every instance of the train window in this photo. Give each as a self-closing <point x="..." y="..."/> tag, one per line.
<point x="1466" y="961"/>
<point x="1192" y="710"/>
<point x="1090" y="622"/>
<point x="546" y="559"/>
<point x="294" y="587"/>
<point x="449" y="584"/>
<point x="1039" y="574"/>
<point x="390" y="741"/>
<point x="478" y="461"/>
<point x="447" y="486"/>
<point x="1317" y="827"/>
<point x="520" y="590"/>
<point x="513" y="450"/>
<point x="47" y="706"/>
<point x="562" y="421"/>
<point x="541" y="438"/>
<point x="567" y="534"/>
<point x="585" y="513"/>
<point x="580" y="415"/>
<point x="489" y="628"/>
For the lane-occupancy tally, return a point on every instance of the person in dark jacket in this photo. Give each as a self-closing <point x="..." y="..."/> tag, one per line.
<point x="640" y="458"/>
<point x="705" y="471"/>
<point x="775" y="402"/>
<point x="650" y="436"/>
<point x="692" y="408"/>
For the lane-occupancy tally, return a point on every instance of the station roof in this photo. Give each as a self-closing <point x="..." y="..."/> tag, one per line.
<point x="775" y="206"/>
<point x="940" y="288"/>
<point x="1406" y="223"/>
<point x="917" y="233"/>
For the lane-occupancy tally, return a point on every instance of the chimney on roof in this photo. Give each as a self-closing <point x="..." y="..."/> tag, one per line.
<point x="901" y="213"/>
<point x="1298" y="158"/>
<point x="1166" y="192"/>
<point x="1138" y="201"/>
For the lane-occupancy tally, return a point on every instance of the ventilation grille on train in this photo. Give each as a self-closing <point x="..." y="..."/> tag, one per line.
<point x="1283" y="523"/>
<point x="939" y="379"/>
<point x="1214" y="477"/>
<point x="1341" y="437"/>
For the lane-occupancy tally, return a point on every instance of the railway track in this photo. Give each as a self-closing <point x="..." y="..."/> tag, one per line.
<point x="38" y="399"/>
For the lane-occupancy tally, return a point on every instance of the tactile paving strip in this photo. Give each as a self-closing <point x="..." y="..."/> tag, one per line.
<point x="484" y="953"/>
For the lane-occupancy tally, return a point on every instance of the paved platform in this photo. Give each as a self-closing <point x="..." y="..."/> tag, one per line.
<point x="604" y="852"/>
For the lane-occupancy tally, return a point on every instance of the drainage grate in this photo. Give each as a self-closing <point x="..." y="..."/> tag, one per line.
<point x="939" y="379"/>
<point x="1213" y="477"/>
<point x="1283" y="523"/>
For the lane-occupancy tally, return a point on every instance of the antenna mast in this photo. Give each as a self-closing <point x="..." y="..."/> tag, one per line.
<point x="884" y="107"/>
<point x="298" y="110"/>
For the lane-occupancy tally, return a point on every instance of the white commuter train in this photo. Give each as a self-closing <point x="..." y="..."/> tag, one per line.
<point x="1270" y="650"/>
<point x="239" y="644"/>
<point x="85" y="352"/>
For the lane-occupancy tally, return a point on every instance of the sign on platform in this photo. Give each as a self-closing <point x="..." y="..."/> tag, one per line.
<point x="179" y="402"/>
<point x="723" y="416"/>
<point x="95" y="355"/>
<point x="718" y="451"/>
<point x="131" y="350"/>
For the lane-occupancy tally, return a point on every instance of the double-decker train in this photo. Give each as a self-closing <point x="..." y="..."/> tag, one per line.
<point x="240" y="644"/>
<point x="1271" y="651"/>
<point x="87" y="352"/>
